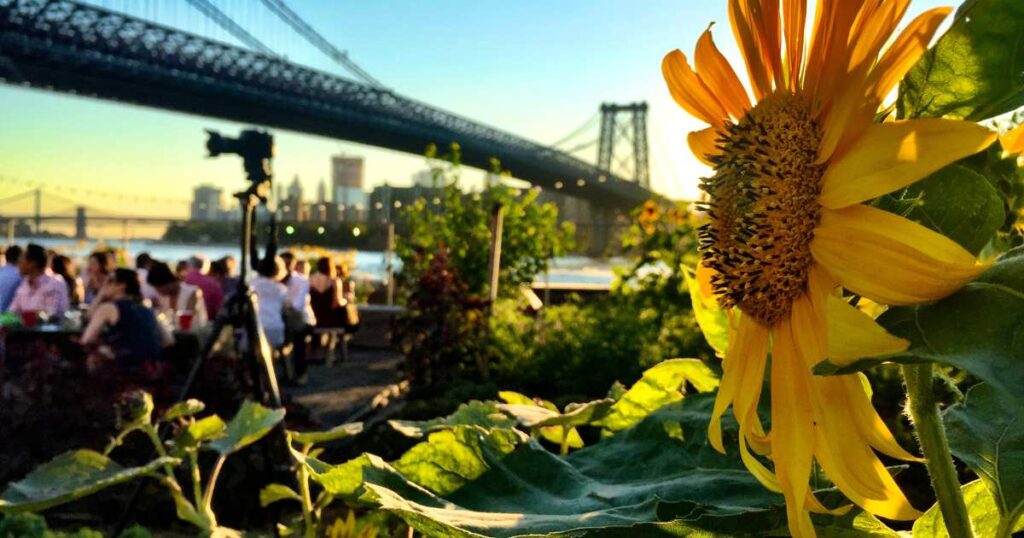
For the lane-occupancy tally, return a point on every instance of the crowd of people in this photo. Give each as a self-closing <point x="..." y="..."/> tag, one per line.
<point x="131" y="315"/>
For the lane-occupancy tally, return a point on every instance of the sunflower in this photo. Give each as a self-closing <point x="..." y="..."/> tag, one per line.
<point x="788" y="230"/>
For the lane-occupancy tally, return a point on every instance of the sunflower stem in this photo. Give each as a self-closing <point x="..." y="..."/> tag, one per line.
<point x="932" y="435"/>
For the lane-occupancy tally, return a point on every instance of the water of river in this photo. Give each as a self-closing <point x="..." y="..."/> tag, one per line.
<point x="369" y="265"/>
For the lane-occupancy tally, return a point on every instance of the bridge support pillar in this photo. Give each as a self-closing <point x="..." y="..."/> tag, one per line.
<point x="80" y="231"/>
<point x="603" y="220"/>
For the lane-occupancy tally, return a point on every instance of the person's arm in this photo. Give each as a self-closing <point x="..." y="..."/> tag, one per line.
<point x="339" y="294"/>
<point x="19" y="298"/>
<point x="197" y="305"/>
<point x="302" y="296"/>
<point x="105" y="315"/>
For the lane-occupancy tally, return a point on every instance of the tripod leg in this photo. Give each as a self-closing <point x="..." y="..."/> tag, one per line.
<point x="259" y="354"/>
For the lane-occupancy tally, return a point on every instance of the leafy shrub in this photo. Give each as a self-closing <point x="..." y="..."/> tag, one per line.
<point x="442" y="329"/>
<point x="461" y="226"/>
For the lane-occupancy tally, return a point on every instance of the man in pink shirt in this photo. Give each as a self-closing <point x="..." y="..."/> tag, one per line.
<point x="39" y="291"/>
<point x="213" y="293"/>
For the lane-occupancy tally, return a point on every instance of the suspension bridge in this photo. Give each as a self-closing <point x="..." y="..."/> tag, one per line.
<point x="63" y="210"/>
<point x="75" y="47"/>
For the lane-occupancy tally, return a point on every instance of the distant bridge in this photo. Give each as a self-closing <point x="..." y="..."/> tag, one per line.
<point x="67" y="46"/>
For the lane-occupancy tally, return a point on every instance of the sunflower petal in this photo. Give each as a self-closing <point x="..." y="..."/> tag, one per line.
<point x="719" y="76"/>
<point x="703" y="144"/>
<point x="689" y="91"/>
<point x="854" y="109"/>
<point x="762" y="473"/>
<point x="846" y="456"/>
<point x="793" y="427"/>
<point x="830" y="48"/>
<point x="867" y="421"/>
<point x="1013" y="140"/>
<point x="904" y="52"/>
<point x="742" y="378"/>
<point x="888" y="258"/>
<point x="853" y="335"/>
<point x="879" y="25"/>
<point x="890" y="156"/>
<point x="744" y="29"/>
<point x="794" y="19"/>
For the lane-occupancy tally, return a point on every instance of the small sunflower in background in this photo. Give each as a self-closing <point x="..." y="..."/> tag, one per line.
<point x="788" y="230"/>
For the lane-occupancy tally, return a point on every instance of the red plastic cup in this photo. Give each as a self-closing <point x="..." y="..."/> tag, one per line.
<point x="30" y="317"/>
<point x="185" y="321"/>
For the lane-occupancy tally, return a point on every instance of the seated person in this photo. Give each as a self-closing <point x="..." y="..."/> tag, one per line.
<point x="101" y="264"/>
<point x="10" y="277"/>
<point x="271" y="299"/>
<point x="39" y="291"/>
<point x="66" y="269"/>
<point x="326" y="295"/>
<point x="176" y="297"/>
<point x="120" y="322"/>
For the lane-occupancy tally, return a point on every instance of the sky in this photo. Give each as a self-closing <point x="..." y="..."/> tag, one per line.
<point x="535" y="68"/>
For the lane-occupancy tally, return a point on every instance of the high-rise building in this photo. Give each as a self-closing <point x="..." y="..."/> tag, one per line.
<point x="207" y="203"/>
<point x="321" y="192"/>
<point x="348" y="194"/>
<point x="386" y="202"/>
<point x="295" y="189"/>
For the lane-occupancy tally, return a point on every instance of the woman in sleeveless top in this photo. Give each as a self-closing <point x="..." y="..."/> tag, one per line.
<point x="325" y="295"/>
<point x="122" y="325"/>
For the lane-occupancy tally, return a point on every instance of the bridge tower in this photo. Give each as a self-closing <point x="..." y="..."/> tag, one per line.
<point x="38" y="210"/>
<point x="623" y="143"/>
<point x="80" y="232"/>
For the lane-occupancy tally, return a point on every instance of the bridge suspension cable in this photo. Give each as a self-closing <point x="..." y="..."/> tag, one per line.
<point x="224" y="21"/>
<point x="582" y="146"/>
<point x="305" y="30"/>
<point x="590" y="123"/>
<point x="110" y="195"/>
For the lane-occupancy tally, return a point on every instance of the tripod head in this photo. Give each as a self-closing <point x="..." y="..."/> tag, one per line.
<point x="256" y="148"/>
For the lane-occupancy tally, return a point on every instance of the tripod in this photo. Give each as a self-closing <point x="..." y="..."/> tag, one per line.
<point x="239" y="312"/>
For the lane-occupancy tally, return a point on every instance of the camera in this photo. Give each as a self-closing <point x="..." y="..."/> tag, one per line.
<point x="256" y="148"/>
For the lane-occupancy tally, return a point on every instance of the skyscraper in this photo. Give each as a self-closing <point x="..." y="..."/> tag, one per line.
<point x="347" y="180"/>
<point x="207" y="202"/>
<point x="295" y="189"/>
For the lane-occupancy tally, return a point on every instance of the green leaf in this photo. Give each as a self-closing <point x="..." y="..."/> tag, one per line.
<point x="200" y="431"/>
<point x="475" y="413"/>
<point x="183" y="409"/>
<point x="661" y="384"/>
<point x="712" y="319"/>
<point x="249" y="425"/>
<point x="981" y="508"/>
<point x="956" y="202"/>
<point x="575" y="414"/>
<point x="337" y="432"/>
<point x="612" y="488"/>
<point x="277" y="492"/>
<point x="536" y="409"/>
<point x="70" y="476"/>
<point x="343" y="480"/>
<point x="986" y="432"/>
<point x="450" y="458"/>
<point x="976" y="70"/>
<point x="979" y="329"/>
